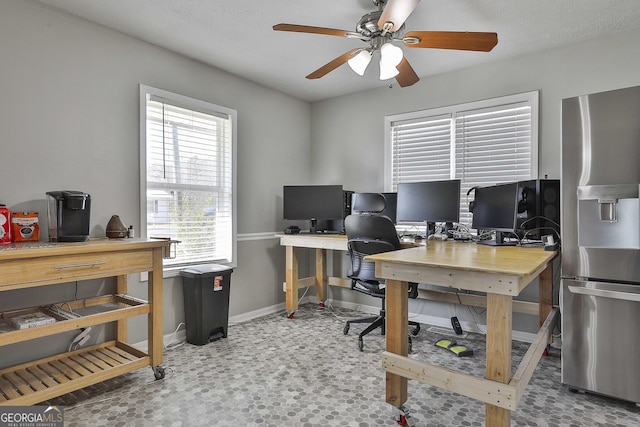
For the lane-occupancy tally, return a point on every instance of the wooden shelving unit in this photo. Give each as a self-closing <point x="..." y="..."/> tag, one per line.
<point x="27" y="266"/>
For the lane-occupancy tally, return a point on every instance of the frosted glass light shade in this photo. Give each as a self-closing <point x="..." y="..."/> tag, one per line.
<point x="360" y="62"/>
<point x="390" y="54"/>
<point x="390" y="57"/>
<point x="387" y="71"/>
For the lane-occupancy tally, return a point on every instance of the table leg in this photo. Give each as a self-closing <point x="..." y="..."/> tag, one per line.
<point x="155" y="289"/>
<point x="397" y="332"/>
<point x="291" y="279"/>
<point x="545" y="290"/>
<point x="121" y="325"/>
<point x="499" y="329"/>
<point x="321" y="275"/>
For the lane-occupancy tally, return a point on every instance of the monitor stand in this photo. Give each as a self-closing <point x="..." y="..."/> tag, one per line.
<point x="431" y="229"/>
<point x="499" y="241"/>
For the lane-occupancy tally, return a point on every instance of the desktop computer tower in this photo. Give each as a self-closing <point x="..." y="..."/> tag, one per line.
<point x="538" y="208"/>
<point x="337" y="225"/>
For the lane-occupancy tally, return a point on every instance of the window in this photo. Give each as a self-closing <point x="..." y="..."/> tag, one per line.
<point x="480" y="143"/>
<point x="187" y="151"/>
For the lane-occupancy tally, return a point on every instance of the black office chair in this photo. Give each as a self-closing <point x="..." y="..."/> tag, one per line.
<point x="369" y="234"/>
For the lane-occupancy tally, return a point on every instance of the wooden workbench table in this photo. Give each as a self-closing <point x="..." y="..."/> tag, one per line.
<point x="500" y="272"/>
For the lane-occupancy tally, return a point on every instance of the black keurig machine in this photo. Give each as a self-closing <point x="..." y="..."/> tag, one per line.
<point x="68" y="213"/>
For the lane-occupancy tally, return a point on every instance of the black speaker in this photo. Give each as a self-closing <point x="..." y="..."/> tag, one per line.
<point x="538" y="208"/>
<point x="337" y="225"/>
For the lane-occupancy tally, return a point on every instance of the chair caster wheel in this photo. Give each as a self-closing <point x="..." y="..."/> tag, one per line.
<point x="410" y="348"/>
<point x="346" y="329"/>
<point x="415" y="330"/>
<point x="360" y="343"/>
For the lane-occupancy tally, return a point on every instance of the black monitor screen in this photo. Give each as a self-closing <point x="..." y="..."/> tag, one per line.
<point x="495" y="207"/>
<point x="305" y="202"/>
<point x="429" y="201"/>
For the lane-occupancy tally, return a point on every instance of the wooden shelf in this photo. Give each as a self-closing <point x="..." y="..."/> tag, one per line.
<point x="24" y="266"/>
<point x="111" y="307"/>
<point x="44" y="379"/>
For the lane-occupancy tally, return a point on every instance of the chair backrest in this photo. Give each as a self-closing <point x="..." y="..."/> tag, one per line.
<point x="368" y="234"/>
<point x="368" y="203"/>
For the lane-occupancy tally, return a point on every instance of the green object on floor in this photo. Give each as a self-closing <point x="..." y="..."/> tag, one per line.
<point x="445" y="343"/>
<point x="461" y="350"/>
<point x="457" y="349"/>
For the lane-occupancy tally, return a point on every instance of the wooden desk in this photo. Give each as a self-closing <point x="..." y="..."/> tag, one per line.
<point x="32" y="265"/>
<point x="321" y="279"/>
<point x="321" y="243"/>
<point x="501" y="272"/>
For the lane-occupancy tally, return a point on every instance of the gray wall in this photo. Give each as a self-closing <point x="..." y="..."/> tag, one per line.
<point x="354" y="124"/>
<point x="69" y="120"/>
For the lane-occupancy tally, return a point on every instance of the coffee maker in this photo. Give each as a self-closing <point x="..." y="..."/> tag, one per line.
<point x="68" y="213"/>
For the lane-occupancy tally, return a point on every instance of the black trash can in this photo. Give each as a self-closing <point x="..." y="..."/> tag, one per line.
<point x="206" y="302"/>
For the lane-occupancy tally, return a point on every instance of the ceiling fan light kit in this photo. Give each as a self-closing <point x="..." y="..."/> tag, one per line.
<point x="383" y="27"/>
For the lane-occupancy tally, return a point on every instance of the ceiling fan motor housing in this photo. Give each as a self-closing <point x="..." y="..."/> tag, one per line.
<point x="368" y="25"/>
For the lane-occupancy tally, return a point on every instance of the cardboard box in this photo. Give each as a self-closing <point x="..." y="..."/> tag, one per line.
<point x="25" y="227"/>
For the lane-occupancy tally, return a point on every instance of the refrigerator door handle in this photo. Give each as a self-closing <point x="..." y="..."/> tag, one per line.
<point x="625" y="296"/>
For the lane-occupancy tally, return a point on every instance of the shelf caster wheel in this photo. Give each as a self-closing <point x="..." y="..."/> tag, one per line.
<point x="360" y="343"/>
<point x="158" y="372"/>
<point x="415" y="330"/>
<point x="321" y="304"/>
<point x="546" y="350"/>
<point x="403" y="418"/>
<point x="346" y="329"/>
<point x="290" y="315"/>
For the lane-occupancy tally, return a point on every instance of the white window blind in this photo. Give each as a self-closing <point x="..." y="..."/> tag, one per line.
<point x="480" y="143"/>
<point x="189" y="177"/>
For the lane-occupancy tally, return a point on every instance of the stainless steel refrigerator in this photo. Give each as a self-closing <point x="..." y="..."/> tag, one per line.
<point x="600" y="286"/>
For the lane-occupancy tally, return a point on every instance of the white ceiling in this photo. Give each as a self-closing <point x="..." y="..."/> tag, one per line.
<point x="237" y="35"/>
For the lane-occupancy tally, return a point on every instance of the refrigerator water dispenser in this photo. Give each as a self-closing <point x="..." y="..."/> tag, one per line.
<point x="609" y="216"/>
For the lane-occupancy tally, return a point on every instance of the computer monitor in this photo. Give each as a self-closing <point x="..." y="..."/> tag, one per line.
<point x="430" y="202"/>
<point x="495" y="208"/>
<point x="313" y="203"/>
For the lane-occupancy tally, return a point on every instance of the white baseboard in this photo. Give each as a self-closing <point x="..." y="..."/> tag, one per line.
<point x="180" y="336"/>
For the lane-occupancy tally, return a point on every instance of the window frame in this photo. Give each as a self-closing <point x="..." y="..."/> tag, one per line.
<point x="182" y="101"/>
<point x="532" y="98"/>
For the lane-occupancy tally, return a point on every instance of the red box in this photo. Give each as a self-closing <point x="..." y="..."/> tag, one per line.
<point x="5" y="224"/>
<point x="25" y="227"/>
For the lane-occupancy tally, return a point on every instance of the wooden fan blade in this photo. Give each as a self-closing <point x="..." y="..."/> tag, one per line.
<point x="330" y="66"/>
<point x="407" y="76"/>
<point x="395" y="13"/>
<point x="461" y="40"/>
<point x="313" y="30"/>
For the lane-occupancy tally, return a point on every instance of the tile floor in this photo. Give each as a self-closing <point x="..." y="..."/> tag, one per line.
<point x="305" y="372"/>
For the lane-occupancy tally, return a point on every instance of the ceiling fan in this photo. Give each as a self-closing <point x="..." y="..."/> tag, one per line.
<point x="384" y="27"/>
